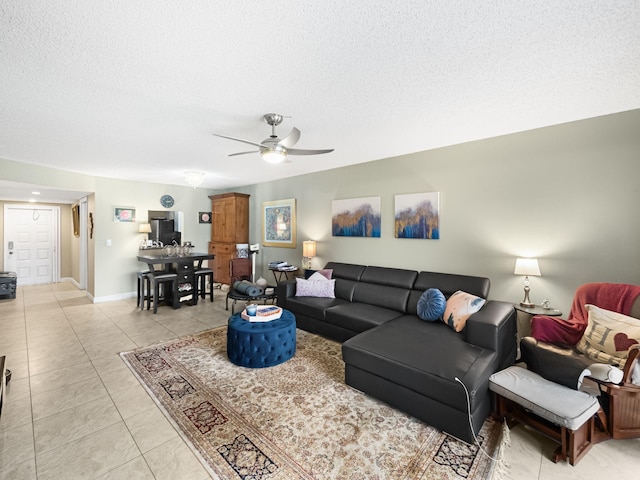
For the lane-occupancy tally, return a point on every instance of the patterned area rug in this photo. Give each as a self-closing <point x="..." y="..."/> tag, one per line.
<point x="297" y="420"/>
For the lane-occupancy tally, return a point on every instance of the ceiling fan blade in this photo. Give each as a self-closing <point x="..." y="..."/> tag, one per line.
<point x="291" y="139"/>
<point x="240" y="140"/>
<point x="243" y="153"/>
<point x="298" y="151"/>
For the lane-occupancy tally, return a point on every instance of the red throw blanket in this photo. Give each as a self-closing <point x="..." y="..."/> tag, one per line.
<point x="616" y="297"/>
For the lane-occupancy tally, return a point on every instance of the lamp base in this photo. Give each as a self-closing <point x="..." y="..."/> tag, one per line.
<point x="525" y="301"/>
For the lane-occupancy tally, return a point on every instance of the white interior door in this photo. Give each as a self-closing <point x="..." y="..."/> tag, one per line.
<point x="31" y="243"/>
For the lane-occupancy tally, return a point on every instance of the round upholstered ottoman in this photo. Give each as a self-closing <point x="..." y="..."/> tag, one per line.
<point x="261" y="344"/>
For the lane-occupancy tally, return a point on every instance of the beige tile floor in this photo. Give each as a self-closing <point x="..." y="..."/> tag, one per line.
<point x="73" y="410"/>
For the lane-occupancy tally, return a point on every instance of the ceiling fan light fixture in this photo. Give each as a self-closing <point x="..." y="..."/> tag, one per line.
<point x="274" y="149"/>
<point x="275" y="154"/>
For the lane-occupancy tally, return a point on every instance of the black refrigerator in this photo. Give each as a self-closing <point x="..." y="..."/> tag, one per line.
<point x="162" y="230"/>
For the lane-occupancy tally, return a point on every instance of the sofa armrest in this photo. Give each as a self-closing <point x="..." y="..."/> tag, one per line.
<point x="285" y="290"/>
<point x="494" y="327"/>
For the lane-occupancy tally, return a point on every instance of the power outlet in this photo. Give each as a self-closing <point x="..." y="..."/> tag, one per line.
<point x="108" y="242"/>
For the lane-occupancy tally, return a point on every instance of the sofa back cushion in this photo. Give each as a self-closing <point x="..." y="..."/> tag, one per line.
<point x="393" y="298"/>
<point x="394" y="277"/>
<point x="349" y="271"/>
<point x="385" y="287"/>
<point x="448" y="284"/>
<point x="346" y="276"/>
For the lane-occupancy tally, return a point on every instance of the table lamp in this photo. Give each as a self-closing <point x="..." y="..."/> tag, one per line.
<point x="145" y="228"/>
<point x="526" y="267"/>
<point x="308" y="252"/>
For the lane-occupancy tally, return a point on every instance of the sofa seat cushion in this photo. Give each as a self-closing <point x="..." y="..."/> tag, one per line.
<point x="359" y="316"/>
<point x="313" y="307"/>
<point x="425" y="357"/>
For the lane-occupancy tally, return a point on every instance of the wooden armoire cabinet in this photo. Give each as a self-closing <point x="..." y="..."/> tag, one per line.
<point x="229" y="226"/>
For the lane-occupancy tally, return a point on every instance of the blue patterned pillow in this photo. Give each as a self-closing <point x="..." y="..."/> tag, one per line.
<point x="431" y="305"/>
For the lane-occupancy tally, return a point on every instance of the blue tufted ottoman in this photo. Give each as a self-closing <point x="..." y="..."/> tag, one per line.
<point x="261" y="344"/>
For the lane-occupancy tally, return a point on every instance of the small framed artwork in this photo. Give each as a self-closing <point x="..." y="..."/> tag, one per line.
<point x="279" y="223"/>
<point x="124" y="214"/>
<point x="356" y="217"/>
<point x="417" y="215"/>
<point x="204" y="217"/>
<point x="75" y="216"/>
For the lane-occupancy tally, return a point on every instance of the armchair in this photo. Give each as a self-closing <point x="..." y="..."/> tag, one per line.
<point x="558" y="350"/>
<point x="616" y="297"/>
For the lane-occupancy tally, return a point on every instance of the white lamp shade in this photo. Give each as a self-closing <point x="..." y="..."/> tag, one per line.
<point x="309" y="248"/>
<point x="527" y="266"/>
<point x="144" y="228"/>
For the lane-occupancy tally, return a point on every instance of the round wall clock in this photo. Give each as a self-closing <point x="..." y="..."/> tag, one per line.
<point x="166" y="201"/>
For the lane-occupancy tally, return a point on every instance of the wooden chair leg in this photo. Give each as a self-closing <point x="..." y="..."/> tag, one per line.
<point x="560" y="453"/>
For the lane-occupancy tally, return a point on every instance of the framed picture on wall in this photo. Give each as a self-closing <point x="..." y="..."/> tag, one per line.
<point x="124" y="214"/>
<point x="356" y="217"/>
<point x="75" y="216"/>
<point x="279" y="223"/>
<point x="204" y="217"/>
<point x="417" y="215"/>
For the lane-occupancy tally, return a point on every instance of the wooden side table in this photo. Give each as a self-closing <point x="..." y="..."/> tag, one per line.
<point x="523" y="319"/>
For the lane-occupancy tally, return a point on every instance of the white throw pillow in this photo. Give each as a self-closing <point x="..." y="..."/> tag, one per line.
<point x="315" y="288"/>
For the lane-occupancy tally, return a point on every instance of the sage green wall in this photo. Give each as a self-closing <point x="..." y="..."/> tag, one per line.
<point x="116" y="265"/>
<point x="566" y="194"/>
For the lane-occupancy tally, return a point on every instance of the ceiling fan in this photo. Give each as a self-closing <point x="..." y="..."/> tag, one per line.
<point x="274" y="149"/>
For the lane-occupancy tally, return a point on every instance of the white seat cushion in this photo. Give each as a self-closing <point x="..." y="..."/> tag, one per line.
<point x="551" y="401"/>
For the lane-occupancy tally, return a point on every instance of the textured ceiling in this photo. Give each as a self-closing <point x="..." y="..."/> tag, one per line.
<point x="135" y="89"/>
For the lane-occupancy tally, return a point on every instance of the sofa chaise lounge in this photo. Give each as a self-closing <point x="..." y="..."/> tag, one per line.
<point x="391" y="354"/>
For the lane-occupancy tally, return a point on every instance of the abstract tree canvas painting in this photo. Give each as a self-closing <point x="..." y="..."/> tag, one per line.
<point x="356" y="217"/>
<point x="417" y="215"/>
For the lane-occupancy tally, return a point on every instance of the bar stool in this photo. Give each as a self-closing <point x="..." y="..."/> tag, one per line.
<point x="156" y="279"/>
<point x="202" y="275"/>
<point x="144" y="287"/>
